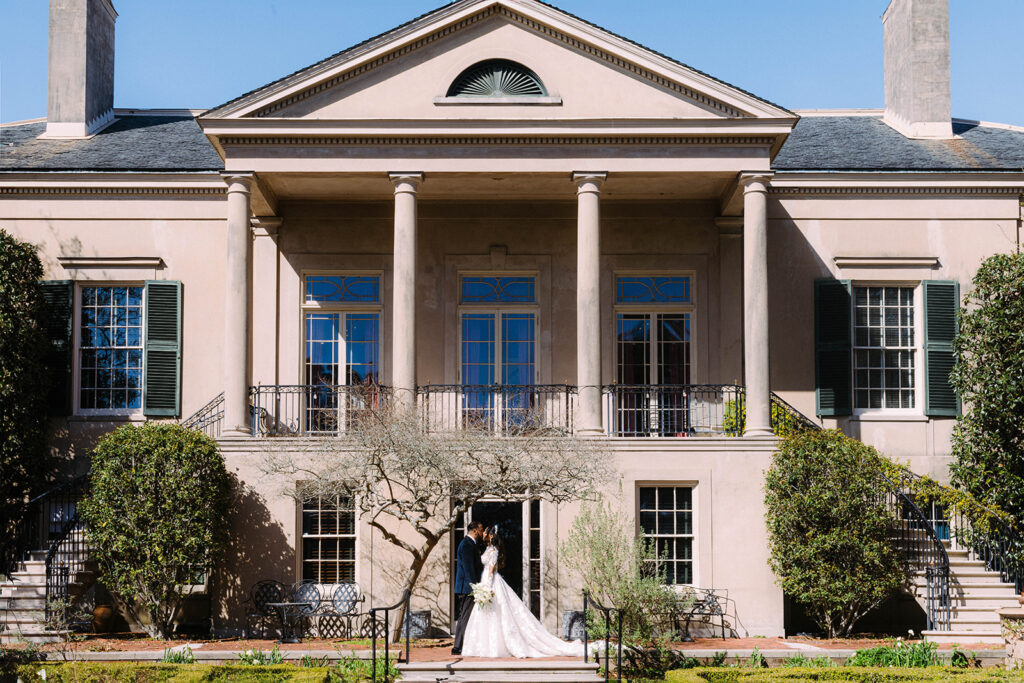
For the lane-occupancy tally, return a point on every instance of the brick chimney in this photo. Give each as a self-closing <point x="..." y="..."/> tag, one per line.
<point x="81" y="87"/>
<point x="917" y="101"/>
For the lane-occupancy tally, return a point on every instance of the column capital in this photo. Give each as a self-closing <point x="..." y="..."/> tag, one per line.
<point x="406" y="181"/>
<point x="238" y="181"/>
<point x="589" y="181"/>
<point x="755" y="181"/>
<point x="265" y="226"/>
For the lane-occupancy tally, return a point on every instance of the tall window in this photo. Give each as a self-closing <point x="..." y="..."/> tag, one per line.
<point x="342" y="347"/>
<point x="110" y="348"/>
<point x="329" y="540"/>
<point x="498" y="346"/>
<point x="884" y="347"/>
<point x="666" y="517"/>
<point x="652" y="327"/>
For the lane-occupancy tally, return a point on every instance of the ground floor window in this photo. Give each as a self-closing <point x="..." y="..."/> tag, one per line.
<point x="110" y="348"/>
<point x="666" y="517"/>
<point x="329" y="540"/>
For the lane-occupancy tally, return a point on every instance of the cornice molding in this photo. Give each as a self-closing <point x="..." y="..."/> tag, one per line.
<point x="80" y="262"/>
<point x="102" y="191"/>
<point x="890" y="190"/>
<point x="886" y="261"/>
<point x="536" y="26"/>
<point x="438" y="140"/>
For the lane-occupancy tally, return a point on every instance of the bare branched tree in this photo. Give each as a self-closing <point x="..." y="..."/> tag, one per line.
<point x="406" y="475"/>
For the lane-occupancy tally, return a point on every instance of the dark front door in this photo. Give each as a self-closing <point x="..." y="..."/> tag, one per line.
<point x="509" y="518"/>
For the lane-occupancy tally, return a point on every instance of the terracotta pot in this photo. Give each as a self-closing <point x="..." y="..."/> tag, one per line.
<point x="103" y="619"/>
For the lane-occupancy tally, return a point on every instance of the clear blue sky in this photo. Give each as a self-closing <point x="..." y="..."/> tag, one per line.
<point x="798" y="53"/>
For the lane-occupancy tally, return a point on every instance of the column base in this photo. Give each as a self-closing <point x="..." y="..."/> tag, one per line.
<point x="236" y="432"/>
<point x="590" y="431"/>
<point x="759" y="432"/>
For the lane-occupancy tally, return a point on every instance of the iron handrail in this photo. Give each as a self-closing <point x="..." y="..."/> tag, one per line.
<point x="208" y="418"/>
<point x="588" y="600"/>
<point x="933" y="559"/>
<point x="298" y="409"/>
<point x="404" y="601"/>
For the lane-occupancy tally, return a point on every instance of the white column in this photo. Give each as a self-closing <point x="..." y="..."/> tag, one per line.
<point x="588" y="301"/>
<point x="403" y="328"/>
<point x="755" y="302"/>
<point x="236" y="305"/>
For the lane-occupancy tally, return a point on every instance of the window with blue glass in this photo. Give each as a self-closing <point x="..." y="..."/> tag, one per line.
<point x="110" y="348"/>
<point x="358" y="289"/>
<point x="497" y="289"/>
<point x="652" y="349"/>
<point x="342" y="346"/>
<point x="647" y="289"/>
<point x="498" y="347"/>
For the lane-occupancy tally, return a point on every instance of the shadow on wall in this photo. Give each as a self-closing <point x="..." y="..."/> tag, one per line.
<point x="433" y="588"/>
<point x="257" y="549"/>
<point x="894" y="617"/>
<point x="793" y="265"/>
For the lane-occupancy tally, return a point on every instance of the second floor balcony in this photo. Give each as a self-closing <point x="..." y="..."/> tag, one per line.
<point x="629" y="411"/>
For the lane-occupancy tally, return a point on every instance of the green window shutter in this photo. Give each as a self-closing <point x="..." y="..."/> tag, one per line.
<point x="832" y="349"/>
<point x="59" y="299"/>
<point x="941" y="305"/>
<point x="161" y="368"/>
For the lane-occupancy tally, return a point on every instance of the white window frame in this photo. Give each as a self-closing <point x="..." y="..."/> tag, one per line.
<point x="918" y="410"/>
<point x="356" y="539"/>
<point x="134" y="414"/>
<point x="695" y="524"/>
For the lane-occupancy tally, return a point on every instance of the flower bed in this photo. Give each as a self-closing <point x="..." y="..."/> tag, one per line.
<point x="841" y="674"/>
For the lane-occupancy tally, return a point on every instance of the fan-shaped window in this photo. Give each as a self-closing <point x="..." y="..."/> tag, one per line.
<point x="497" y="78"/>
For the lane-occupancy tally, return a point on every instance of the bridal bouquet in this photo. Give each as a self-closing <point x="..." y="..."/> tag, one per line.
<point x="482" y="594"/>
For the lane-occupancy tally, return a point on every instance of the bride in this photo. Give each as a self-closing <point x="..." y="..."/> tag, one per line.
<point x="504" y="627"/>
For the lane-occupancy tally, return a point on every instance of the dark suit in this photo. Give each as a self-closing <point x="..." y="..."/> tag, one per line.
<point x="468" y="569"/>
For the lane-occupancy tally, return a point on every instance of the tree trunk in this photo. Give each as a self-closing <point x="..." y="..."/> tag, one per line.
<point x="413" y="575"/>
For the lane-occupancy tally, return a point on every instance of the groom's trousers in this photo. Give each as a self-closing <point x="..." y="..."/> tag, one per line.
<point x="465" y="603"/>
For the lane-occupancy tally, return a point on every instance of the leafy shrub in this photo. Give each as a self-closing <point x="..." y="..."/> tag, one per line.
<point x="784" y="421"/>
<point x="802" y="661"/>
<point x="23" y="387"/>
<point x="621" y="571"/>
<point x="988" y="451"/>
<point x="898" y="653"/>
<point x="840" y="674"/>
<point x="157" y="515"/>
<point x="829" y="529"/>
<point x="116" y="672"/>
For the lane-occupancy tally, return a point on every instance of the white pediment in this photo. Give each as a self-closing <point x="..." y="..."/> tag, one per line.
<point x="588" y="74"/>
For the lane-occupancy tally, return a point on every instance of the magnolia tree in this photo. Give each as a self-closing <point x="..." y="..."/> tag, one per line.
<point x="411" y="481"/>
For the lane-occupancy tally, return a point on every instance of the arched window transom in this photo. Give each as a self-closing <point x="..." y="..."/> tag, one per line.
<point x="497" y="78"/>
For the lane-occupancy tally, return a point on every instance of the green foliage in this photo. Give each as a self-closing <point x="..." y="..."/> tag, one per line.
<point x="135" y="672"/>
<point x="784" y="420"/>
<point x="840" y="674"/>
<point x="353" y="670"/>
<point x="311" y="662"/>
<point x="621" y="571"/>
<point x="898" y="653"/>
<point x="176" y="656"/>
<point x="23" y="387"/>
<point x="988" y="442"/>
<point x="257" y="657"/>
<point x="829" y="530"/>
<point x="157" y="513"/>
<point x="802" y="661"/>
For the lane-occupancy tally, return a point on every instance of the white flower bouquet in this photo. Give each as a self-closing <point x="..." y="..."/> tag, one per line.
<point x="482" y="594"/>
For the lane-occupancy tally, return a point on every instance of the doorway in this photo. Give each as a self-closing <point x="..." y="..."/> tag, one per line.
<point x="518" y="524"/>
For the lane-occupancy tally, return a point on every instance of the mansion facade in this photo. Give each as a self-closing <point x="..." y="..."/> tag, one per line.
<point x="499" y="207"/>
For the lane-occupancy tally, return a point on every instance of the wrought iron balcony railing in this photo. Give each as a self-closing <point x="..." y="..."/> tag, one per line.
<point x="311" y="409"/>
<point x="673" y="410"/>
<point x="507" y="409"/>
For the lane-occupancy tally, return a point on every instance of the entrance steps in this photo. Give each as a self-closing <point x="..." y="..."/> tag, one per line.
<point x="23" y="601"/>
<point x="975" y="594"/>
<point x="501" y="671"/>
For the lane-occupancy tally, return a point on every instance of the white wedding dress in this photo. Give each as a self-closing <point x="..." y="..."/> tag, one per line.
<point x="506" y="628"/>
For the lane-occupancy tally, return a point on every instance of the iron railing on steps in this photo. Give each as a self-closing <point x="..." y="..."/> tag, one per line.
<point x="403" y="602"/>
<point x="207" y="419"/>
<point x="590" y="602"/>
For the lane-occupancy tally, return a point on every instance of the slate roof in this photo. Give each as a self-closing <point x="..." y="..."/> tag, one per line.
<point x="866" y="143"/>
<point x="131" y="143"/>
<point x="818" y="143"/>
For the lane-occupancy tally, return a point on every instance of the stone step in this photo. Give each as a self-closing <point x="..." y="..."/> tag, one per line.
<point x="520" y="671"/>
<point x="964" y="638"/>
<point x="31" y="635"/>
<point x="23" y="602"/>
<point x="992" y="602"/>
<point x="1000" y="590"/>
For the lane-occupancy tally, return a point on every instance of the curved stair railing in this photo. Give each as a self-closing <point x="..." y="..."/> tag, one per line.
<point x="922" y="549"/>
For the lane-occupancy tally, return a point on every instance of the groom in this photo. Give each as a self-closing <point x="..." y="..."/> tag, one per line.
<point x="468" y="569"/>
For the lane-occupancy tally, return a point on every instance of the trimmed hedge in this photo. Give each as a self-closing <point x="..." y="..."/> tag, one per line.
<point x="842" y="674"/>
<point x="135" y="672"/>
